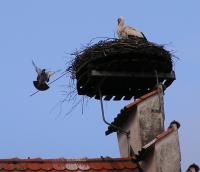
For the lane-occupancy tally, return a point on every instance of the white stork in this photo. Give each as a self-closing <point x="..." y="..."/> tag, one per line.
<point x="125" y="32"/>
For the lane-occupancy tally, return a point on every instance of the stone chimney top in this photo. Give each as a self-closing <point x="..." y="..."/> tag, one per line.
<point x="174" y="124"/>
<point x="193" y="168"/>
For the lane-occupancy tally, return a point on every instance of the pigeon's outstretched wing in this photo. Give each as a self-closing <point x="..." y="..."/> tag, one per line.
<point x="37" y="69"/>
<point x="51" y="73"/>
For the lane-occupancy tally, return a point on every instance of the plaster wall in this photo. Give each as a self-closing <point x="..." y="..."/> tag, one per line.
<point x="146" y="120"/>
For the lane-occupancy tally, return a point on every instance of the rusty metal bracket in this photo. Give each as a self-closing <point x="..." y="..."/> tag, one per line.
<point x="103" y="116"/>
<point x="120" y="130"/>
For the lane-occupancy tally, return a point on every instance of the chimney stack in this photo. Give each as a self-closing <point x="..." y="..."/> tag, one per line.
<point x="144" y="119"/>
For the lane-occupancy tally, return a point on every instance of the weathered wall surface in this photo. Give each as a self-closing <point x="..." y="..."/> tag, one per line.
<point x="150" y="163"/>
<point x="144" y="123"/>
<point x="132" y="125"/>
<point x="165" y="156"/>
<point x="151" y="118"/>
<point x="167" y="152"/>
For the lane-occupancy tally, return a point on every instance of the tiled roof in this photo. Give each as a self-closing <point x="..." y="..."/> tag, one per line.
<point x="159" y="137"/>
<point x="162" y="135"/>
<point x="66" y="165"/>
<point x="123" y="116"/>
<point x="137" y="101"/>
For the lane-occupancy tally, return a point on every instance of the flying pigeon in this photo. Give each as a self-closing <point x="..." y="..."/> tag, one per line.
<point x="43" y="77"/>
<point x="125" y="32"/>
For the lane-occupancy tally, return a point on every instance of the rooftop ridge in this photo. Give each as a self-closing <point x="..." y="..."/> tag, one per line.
<point x="142" y="98"/>
<point x="160" y="136"/>
<point x="67" y="165"/>
<point x="64" y="160"/>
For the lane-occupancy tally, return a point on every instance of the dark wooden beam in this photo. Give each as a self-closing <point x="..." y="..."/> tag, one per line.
<point x="108" y="97"/>
<point x="128" y="97"/>
<point x="118" y="97"/>
<point x="96" y="73"/>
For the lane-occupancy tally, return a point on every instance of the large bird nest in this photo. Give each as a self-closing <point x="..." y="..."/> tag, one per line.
<point x="134" y="55"/>
<point x="114" y="56"/>
<point x="121" y="67"/>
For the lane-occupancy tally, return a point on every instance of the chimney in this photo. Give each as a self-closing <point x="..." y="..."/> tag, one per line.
<point x="162" y="154"/>
<point x="144" y="119"/>
<point x="175" y="125"/>
<point x="193" y="168"/>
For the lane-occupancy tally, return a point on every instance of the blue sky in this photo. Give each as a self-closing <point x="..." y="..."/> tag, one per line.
<point x="46" y="31"/>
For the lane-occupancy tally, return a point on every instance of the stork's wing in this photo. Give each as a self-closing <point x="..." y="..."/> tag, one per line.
<point x="144" y="36"/>
<point x="37" y="69"/>
<point x="130" y="31"/>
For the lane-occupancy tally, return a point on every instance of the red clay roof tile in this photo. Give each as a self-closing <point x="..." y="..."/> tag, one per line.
<point x="66" y="165"/>
<point x="159" y="137"/>
<point x="137" y="101"/>
<point x="150" y="146"/>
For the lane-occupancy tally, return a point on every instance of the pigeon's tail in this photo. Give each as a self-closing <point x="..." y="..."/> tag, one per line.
<point x="40" y="87"/>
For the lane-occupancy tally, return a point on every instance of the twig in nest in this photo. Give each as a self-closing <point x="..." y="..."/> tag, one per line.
<point x="118" y="54"/>
<point x="109" y="47"/>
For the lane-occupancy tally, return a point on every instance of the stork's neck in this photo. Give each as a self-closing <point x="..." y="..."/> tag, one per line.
<point x="121" y="24"/>
<point x="120" y="27"/>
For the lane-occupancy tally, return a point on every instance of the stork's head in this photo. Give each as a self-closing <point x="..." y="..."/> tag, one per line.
<point x="120" y="20"/>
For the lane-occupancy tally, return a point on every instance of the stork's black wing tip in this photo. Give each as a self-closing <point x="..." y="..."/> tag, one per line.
<point x="144" y="36"/>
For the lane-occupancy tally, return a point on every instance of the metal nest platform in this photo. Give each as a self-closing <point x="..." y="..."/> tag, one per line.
<point x="122" y="69"/>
